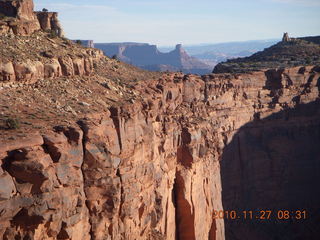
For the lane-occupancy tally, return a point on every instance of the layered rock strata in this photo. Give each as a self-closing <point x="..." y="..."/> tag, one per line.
<point x="30" y="71"/>
<point x="158" y="168"/>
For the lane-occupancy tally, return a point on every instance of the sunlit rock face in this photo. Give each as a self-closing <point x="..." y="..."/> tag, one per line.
<point x="159" y="167"/>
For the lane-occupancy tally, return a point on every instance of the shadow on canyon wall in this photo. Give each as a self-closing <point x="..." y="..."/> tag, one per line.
<point x="274" y="164"/>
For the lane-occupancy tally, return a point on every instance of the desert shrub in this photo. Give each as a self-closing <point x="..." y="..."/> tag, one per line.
<point x="52" y="34"/>
<point x="115" y="57"/>
<point x="79" y="42"/>
<point x="12" y="123"/>
<point x="308" y="61"/>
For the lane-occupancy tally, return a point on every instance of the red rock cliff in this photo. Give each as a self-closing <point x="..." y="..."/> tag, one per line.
<point x="157" y="168"/>
<point x="18" y="17"/>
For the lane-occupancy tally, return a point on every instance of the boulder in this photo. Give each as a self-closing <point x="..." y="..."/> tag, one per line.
<point x="52" y="69"/>
<point x="66" y="66"/>
<point x="7" y="73"/>
<point x="79" y="67"/>
<point x="29" y="71"/>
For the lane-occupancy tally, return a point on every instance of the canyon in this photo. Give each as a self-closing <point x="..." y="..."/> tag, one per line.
<point x="115" y="152"/>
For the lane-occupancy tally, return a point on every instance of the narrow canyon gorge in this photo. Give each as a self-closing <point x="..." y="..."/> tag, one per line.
<point x="107" y="151"/>
<point x="158" y="169"/>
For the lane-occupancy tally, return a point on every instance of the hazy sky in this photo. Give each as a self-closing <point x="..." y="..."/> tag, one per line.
<point x="167" y="22"/>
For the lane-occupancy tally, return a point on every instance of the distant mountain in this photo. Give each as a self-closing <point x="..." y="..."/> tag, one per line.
<point x="287" y="53"/>
<point x="212" y="54"/>
<point x="149" y="57"/>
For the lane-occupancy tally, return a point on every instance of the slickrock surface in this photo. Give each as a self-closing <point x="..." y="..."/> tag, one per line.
<point x="148" y="165"/>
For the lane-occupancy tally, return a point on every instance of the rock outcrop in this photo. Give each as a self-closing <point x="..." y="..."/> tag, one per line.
<point x="30" y="71"/>
<point x="17" y="17"/>
<point x="158" y="168"/>
<point x="49" y="22"/>
<point x="285" y="37"/>
<point x="32" y="58"/>
<point x="37" y="50"/>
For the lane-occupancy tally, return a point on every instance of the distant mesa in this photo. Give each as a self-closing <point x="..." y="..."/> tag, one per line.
<point x="149" y="57"/>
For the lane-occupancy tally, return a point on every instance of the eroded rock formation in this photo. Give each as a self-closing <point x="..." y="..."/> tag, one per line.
<point x="49" y="22"/>
<point x="17" y="17"/>
<point x="159" y="167"/>
<point x="30" y="71"/>
<point x="38" y="51"/>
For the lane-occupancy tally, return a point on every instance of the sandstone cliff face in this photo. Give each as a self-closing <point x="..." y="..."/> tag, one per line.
<point x="159" y="167"/>
<point x="49" y="22"/>
<point x="19" y="19"/>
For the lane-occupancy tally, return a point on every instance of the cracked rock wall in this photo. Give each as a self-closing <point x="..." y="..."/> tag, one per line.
<point x="148" y="170"/>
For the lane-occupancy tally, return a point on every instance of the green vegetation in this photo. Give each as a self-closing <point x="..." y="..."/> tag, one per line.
<point x="52" y="34"/>
<point x="12" y="123"/>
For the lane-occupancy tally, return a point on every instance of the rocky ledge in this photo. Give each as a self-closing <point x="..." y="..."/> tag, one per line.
<point x="33" y="47"/>
<point x="27" y="59"/>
